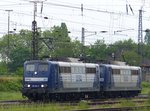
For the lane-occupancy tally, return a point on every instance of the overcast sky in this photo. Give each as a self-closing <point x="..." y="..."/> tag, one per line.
<point x="97" y="16"/>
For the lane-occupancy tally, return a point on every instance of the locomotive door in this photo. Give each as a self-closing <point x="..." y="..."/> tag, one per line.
<point x="54" y="77"/>
<point x="101" y="77"/>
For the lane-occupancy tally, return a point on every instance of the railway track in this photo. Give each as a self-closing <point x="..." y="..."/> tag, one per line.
<point x="117" y="109"/>
<point x="115" y="102"/>
<point x="107" y="102"/>
<point x="13" y="102"/>
<point x="20" y="102"/>
<point x="142" y="96"/>
<point x="138" y="99"/>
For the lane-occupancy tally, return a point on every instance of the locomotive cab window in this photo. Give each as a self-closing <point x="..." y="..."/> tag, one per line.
<point x="43" y="67"/>
<point x="30" y="67"/>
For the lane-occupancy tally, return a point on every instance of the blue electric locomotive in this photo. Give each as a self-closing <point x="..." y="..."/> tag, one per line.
<point x="60" y="80"/>
<point x="65" y="80"/>
<point x="120" y="80"/>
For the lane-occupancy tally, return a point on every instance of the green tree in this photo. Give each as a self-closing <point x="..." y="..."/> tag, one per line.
<point x="60" y="45"/>
<point x="4" y="48"/>
<point x="19" y="49"/>
<point x="146" y="51"/>
<point x="18" y="56"/>
<point x="3" y="68"/>
<point x="98" y="50"/>
<point x="61" y="42"/>
<point x="20" y="45"/>
<point x="132" y="58"/>
<point x="76" y="49"/>
<point x="147" y="37"/>
<point x="122" y="46"/>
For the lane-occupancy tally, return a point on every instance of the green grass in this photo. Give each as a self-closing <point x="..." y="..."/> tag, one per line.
<point x="11" y="96"/>
<point x="83" y="105"/>
<point x="125" y="102"/>
<point x="145" y="88"/>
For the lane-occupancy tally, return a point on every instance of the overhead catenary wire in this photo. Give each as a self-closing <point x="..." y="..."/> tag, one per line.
<point x="53" y="18"/>
<point x="79" y="8"/>
<point x="89" y="9"/>
<point x="76" y="7"/>
<point x="96" y="10"/>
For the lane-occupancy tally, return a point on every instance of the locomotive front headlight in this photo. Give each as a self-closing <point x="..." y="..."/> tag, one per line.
<point x="42" y="85"/>
<point x="28" y="85"/>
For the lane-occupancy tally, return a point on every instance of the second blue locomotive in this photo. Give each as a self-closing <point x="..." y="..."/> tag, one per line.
<point x="66" y="81"/>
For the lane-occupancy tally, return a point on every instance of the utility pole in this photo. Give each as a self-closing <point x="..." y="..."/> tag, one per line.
<point x="8" y="45"/>
<point x="82" y="34"/>
<point x="140" y="34"/>
<point x="82" y="41"/>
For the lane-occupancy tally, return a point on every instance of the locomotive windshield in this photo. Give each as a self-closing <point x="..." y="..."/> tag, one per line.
<point x="30" y="67"/>
<point x="43" y="67"/>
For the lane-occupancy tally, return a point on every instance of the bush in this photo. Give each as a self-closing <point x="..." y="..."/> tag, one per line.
<point x="4" y="69"/>
<point x="19" y="71"/>
<point x="10" y="83"/>
<point x="145" y="85"/>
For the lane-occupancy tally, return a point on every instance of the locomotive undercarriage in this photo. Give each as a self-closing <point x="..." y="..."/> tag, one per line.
<point x="44" y="95"/>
